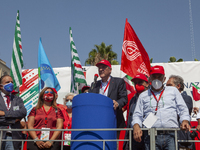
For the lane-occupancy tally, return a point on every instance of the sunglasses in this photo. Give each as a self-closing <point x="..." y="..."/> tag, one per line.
<point x="46" y="92"/>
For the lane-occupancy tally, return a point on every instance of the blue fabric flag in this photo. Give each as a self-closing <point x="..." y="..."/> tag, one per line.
<point x="46" y="75"/>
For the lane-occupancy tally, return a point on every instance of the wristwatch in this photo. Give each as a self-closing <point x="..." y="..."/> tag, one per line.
<point x="36" y="139"/>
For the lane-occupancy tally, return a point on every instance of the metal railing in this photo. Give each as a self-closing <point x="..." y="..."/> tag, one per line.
<point x="152" y="132"/>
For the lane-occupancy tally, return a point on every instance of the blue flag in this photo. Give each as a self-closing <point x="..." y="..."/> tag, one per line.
<point x="46" y="75"/>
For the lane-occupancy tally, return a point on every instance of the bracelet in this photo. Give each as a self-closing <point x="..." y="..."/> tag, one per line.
<point x="35" y="139"/>
<point x="51" y="141"/>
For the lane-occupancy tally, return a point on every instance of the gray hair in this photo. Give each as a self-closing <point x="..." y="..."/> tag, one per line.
<point x="69" y="94"/>
<point x="178" y="80"/>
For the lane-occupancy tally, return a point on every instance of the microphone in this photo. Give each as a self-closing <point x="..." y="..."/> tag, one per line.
<point x="95" y="80"/>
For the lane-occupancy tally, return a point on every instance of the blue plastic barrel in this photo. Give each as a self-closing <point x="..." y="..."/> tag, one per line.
<point x="93" y="111"/>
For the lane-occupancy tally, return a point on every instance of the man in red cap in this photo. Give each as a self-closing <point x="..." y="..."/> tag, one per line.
<point x="141" y="84"/>
<point x="159" y="107"/>
<point x="85" y="89"/>
<point x="112" y="87"/>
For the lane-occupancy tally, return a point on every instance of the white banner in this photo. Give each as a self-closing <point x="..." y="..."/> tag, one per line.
<point x="189" y="71"/>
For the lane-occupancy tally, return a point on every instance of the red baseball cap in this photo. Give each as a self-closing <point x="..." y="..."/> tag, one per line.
<point x="157" y="69"/>
<point x="140" y="76"/>
<point x="104" y="62"/>
<point x="84" y="88"/>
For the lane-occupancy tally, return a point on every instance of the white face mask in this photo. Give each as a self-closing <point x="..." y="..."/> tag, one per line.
<point x="157" y="84"/>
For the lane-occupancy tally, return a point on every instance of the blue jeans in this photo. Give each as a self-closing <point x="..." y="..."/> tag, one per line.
<point x="7" y="145"/>
<point x="163" y="141"/>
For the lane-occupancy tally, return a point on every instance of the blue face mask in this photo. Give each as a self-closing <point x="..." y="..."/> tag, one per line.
<point x="69" y="104"/>
<point x="8" y="87"/>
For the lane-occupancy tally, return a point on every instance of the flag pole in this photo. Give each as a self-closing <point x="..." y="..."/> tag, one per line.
<point x="77" y="88"/>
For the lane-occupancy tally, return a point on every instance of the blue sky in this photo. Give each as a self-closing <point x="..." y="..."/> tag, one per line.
<point x="163" y="27"/>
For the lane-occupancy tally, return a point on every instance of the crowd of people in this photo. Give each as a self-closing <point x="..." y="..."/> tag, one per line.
<point x="154" y="105"/>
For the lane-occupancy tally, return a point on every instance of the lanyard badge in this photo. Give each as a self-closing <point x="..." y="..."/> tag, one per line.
<point x="157" y="99"/>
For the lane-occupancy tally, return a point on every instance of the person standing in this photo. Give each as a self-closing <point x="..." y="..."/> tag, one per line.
<point x="12" y="110"/>
<point x="178" y="82"/>
<point x="112" y="87"/>
<point x="141" y="84"/>
<point x="68" y="120"/>
<point x="46" y="115"/>
<point x="163" y="105"/>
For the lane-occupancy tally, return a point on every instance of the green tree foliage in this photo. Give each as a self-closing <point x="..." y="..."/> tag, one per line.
<point x="101" y="52"/>
<point x="151" y="60"/>
<point x="173" y="59"/>
<point x="196" y="59"/>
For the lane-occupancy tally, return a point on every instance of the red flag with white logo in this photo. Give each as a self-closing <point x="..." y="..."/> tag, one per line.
<point x="134" y="57"/>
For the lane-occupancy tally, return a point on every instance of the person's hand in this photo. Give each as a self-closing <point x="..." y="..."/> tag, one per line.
<point x="195" y="110"/>
<point x="115" y="104"/>
<point x="47" y="144"/>
<point x="198" y="128"/>
<point x="40" y="144"/>
<point x="137" y="133"/>
<point x="2" y="113"/>
<point x="185" y="125"/>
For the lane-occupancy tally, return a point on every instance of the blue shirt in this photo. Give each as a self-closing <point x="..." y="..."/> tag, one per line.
<point x="103" y="86"/>
<point x="171" y="105"/>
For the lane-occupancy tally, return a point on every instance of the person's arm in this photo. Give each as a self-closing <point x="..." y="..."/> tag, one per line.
<point x="183" y="109"/>
<point x="122" y="95"/>
<point x="59" y="125"/>
<point x="33" y="135"/>
<point x="19" y="112"/>
<point x="198" y="126"/>
<point x="137" y="119"/>
<point x="137" y="133"/>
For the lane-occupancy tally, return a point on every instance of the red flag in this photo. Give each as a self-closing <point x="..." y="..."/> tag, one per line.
<point x="196" y="93"/>
<point x="134" y="57"/>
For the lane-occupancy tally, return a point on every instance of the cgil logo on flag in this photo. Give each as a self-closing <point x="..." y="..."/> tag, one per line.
<point x="131" y="50"/>
<point x="134" y="57"/>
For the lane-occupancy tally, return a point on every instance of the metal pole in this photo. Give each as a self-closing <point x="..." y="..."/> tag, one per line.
<point x="77" y="88"/>
<point x="22" y="144"/>
<point x="104" y="145"/>
<point x="130" y="139"/>
<point x="62" y="140"/>
<point x="152" y="138"/>
<point x="176" y="144"/>
<point x="1" y="139"/>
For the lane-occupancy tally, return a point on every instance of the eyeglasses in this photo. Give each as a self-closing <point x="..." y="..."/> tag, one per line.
<point x="46" y="92"/>
<point x="67" y="100"/>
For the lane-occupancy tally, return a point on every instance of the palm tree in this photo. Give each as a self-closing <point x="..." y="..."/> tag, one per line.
<point x="101" y="52"/>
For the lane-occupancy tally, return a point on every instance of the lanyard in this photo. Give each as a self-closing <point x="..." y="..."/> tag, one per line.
<point x="157" y="99"/>
<point x="46" y="114"/>
<point x="106" y="87"/>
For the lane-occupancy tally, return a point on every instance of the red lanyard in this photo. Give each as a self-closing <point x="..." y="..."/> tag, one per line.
<point x="46" y="114"/>
<point x="106" y="87"/>
<point x="156" y="98"/>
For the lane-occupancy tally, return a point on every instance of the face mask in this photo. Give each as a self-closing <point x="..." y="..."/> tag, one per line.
<point x="69" y="104"/>
<point x="139" y="88"/>
<point x="48" y="97"/>
<point x="157" y="84"/>
<point x="8" y="87"/>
